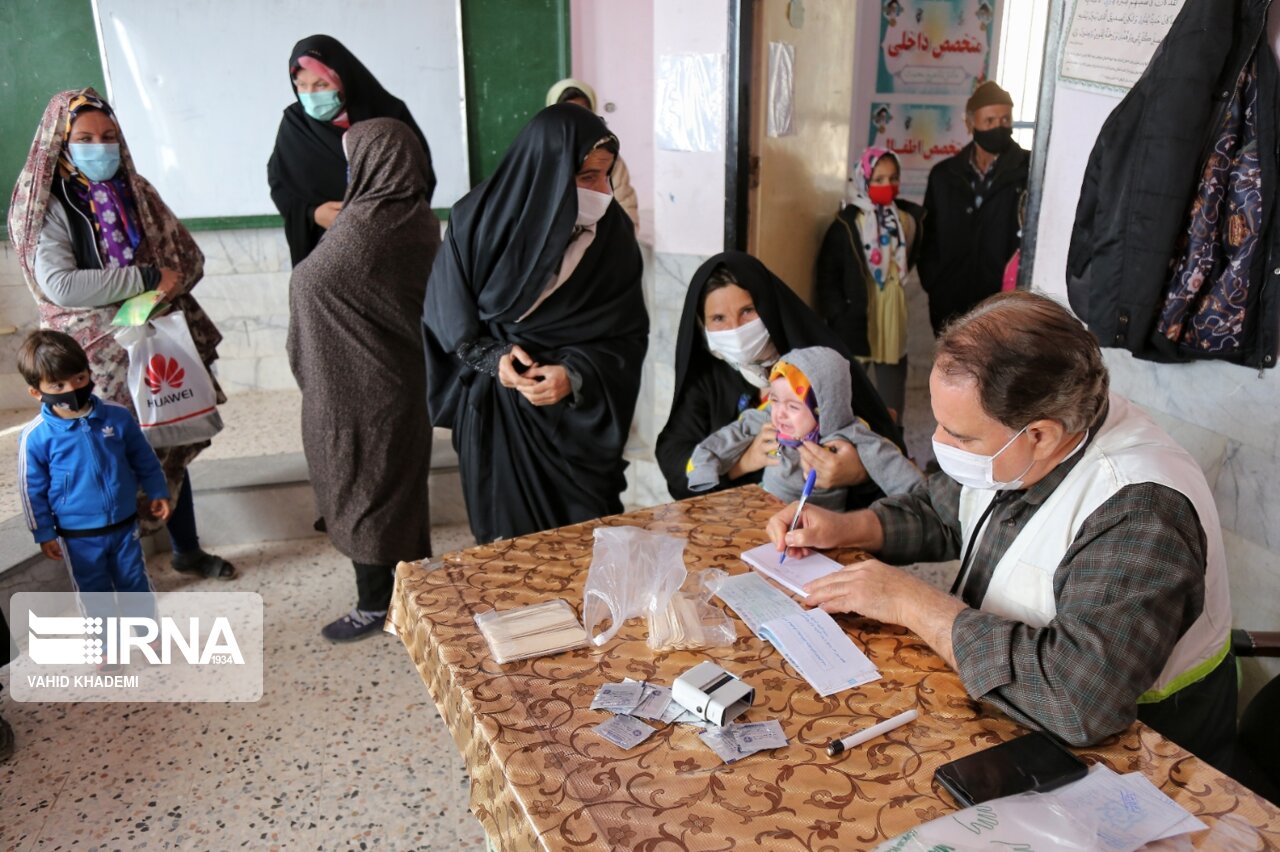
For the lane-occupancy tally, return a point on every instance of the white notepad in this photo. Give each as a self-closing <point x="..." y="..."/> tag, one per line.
<point x="793" y="573"/>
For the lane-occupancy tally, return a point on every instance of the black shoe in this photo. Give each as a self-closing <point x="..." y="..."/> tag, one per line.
<point x="203" y="564"/>
<point x="357" y="624"/>
<point x="6" y="741"/>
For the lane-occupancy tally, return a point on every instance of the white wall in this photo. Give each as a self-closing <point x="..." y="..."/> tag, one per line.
<point x="1227" y="416"/>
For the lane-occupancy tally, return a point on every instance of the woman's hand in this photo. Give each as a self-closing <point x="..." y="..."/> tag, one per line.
<point x="508" y="374"/>
<point x="538" y="383"/>
<point x="326" y="213"/>
<point x="550" y="384"/>
<point x="838" y="464"/>
<point x="762" y="453"/>
<point x="170" y="286"/>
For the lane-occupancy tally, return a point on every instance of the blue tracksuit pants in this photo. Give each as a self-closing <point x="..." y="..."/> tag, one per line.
<point x="111" y="562"/>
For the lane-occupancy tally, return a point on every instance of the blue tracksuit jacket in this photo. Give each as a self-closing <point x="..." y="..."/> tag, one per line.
<point x="84" y="473"/>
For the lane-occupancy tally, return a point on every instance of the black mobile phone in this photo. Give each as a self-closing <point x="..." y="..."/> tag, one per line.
<point x="522" y="368"/>
<point x="1033" y="762"/>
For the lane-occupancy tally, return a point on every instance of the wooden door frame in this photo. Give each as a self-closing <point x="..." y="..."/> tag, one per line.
<point x="737" y="160"/>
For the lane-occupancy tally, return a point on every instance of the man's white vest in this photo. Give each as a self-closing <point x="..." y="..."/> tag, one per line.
<point x="1130" y="448"/>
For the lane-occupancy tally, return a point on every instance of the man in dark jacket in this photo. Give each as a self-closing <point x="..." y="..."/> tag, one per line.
<point x="971" y="227"/>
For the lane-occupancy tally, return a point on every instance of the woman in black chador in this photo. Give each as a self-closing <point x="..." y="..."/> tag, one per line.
<point x="536" y="331"/>
<point x="307" y="171"/>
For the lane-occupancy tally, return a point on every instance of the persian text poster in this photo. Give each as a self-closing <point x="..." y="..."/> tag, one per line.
<point x="934" y="47"/>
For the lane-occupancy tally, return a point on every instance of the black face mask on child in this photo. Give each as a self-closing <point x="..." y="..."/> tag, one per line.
<point x="72" y="400"/>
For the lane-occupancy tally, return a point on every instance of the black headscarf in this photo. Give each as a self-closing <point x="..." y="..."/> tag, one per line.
<point x="307" y="167"/>
<point x="791" y="325"/>
<point x="525" y="467"/>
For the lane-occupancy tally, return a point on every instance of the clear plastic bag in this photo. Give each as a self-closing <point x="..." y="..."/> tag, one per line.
<point x="637" y="573"/>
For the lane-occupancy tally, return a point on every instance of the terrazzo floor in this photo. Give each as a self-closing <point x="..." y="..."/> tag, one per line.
<point x="344" y="751"/>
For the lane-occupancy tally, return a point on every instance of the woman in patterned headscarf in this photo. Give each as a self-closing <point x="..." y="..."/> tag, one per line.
<point x="91" y="232"/>
<point x="862" y="270"/>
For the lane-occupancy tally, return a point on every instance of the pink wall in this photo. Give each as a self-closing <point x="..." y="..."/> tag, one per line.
<point x="612" y="45"/>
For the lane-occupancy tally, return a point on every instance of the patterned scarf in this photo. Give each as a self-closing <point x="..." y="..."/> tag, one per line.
<point x="1204" y="307"/>
<point x="109" y="203"/>
<point x="163" y="243"/>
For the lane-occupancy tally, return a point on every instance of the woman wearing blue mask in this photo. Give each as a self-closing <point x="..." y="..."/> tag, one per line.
<point x="91" y="232"/>
<point x="307" y="171"/>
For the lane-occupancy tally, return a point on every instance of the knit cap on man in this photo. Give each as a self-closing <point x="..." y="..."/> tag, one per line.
<point x="987" y="94"/>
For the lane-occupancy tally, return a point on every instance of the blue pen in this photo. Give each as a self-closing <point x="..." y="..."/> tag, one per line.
<point x="808" y="489"/>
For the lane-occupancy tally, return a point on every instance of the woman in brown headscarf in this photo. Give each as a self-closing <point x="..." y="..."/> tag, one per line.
<point x="91" y="232"/>
<point x="355" y="347"/>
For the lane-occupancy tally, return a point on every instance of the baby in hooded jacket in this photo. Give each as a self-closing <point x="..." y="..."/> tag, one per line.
<point x="809" y="400"/>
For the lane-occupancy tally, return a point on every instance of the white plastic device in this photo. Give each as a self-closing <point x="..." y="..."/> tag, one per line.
<point x="713" y="693"/>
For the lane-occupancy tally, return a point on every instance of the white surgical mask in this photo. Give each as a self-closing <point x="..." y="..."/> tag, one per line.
<point x="591" y="206"/>
<point x="974" y="470"/>
<point x="745" y="344"/>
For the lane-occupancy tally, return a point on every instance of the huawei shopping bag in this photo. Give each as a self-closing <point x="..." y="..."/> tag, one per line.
<point x="171" y="388"/>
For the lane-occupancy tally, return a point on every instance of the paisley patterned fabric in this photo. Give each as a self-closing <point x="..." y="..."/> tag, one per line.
<point x="165" y="242"/>
<point x="542" y="779"/>
<point x="1204" y="309"/>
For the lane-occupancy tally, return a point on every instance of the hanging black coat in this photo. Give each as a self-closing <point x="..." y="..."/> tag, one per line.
<point x="1144" y="171"/>
<point x="524" y="467"/>
<point x="842" y="275"/>
<point x="307" y="167"/>
<point x="966" y="245"/>
<point x="709" y="393"/>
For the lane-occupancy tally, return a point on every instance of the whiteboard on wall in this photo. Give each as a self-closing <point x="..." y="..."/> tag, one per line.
<point x="199" y="87"/>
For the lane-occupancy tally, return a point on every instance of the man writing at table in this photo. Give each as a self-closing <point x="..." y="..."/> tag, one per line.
<point x="1093" y="585"/>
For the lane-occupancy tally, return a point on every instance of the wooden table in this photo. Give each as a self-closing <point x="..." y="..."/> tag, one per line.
<point x="542" y="779"/>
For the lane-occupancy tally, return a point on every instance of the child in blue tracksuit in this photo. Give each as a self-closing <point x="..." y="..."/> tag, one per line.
<point x="80" y="465"/>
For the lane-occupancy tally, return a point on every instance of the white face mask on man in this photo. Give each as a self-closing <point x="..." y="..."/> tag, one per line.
<point x="974" y="470"/>
<point x="591" y="206"/>
<point x="742" y="345"/>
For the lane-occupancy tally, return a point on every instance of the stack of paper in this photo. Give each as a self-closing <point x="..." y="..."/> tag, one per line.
<point x="531" y="631"/>
<point x="810" y="640"/>
<point x="755" y="600"/>
<point x="794" y="573"/>
<point x="1131" y="811"/>
<point x="819" y="650"/>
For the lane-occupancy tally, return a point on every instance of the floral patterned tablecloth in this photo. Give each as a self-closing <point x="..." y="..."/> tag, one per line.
<point x="542" y="779"/>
